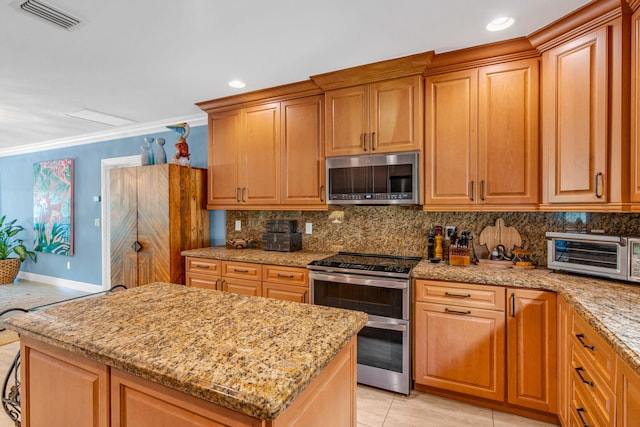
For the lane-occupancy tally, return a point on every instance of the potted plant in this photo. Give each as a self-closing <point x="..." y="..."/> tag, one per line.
<point x="12" y="250"/>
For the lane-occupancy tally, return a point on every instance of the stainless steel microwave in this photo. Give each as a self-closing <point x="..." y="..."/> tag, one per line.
<point x="614" y="257"/>
<point x="373" y="179"/>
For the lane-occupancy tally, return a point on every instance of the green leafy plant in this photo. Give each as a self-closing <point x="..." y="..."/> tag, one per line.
<point x="9" y="244"/>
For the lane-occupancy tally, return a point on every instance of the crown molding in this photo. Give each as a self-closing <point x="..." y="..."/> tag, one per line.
<point x="117" y="133"/>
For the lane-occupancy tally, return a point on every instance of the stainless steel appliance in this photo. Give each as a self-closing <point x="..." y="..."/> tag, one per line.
<point x="379" y="285"/>
<point x="614" y="257"/>
<point x="374" y="179"/>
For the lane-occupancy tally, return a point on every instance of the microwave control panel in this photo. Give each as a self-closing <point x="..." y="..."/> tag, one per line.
<point x="634" y="261"/>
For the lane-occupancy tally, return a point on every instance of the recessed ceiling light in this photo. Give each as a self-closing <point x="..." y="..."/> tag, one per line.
<point x="98" y="117"/>
<point x="500" y="23"/>
<point x="238" y="84"/>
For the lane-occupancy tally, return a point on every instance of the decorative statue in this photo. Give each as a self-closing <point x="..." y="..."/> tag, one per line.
<point x="182" y="156"/>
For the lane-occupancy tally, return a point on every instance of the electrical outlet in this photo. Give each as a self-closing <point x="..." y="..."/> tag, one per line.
<point x="308" y="228"/>
<point x="238" y="225"/>
<point x="96" y="222"/>
<point x="68" y="265"/>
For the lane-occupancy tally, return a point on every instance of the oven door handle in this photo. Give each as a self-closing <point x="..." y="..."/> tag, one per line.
<point x="389" y="326"/>
<point x="354" y="280"/>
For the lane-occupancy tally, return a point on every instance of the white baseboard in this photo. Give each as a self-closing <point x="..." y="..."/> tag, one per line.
<point x="56" y="281"/>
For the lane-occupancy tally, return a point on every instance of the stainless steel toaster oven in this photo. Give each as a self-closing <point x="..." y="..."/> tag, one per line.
<point x="614" y="257"/>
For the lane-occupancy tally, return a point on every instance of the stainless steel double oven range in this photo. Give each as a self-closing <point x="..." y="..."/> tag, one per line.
<point x="378" y="285"/>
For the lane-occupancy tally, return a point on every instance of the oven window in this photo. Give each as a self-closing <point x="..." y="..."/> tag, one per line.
<point x="377" y="301"/>
<point x="380" y="348"/>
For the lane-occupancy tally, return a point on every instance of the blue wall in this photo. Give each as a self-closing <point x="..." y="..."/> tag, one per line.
<point x="16" y="199"/>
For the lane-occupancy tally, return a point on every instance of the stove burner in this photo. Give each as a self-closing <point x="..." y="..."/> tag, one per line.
<point x="353" y="262"/>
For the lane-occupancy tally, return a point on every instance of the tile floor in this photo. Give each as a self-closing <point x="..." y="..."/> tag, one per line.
<point x="376" y="408"/>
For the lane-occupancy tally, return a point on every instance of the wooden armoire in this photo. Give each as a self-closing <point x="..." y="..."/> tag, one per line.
<point x="155" y="212"/>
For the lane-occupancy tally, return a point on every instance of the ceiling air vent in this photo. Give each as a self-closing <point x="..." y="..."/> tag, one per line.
<point x="49" y="13"/>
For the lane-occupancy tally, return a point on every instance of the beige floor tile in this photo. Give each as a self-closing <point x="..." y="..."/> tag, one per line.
<point x="373" y="406"/>
<point x="424" y="410"/>
<point x="502" y="419"/>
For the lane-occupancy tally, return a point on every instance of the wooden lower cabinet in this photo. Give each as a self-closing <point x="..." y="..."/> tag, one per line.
<point x="564" y="348"/>
<point x="627" y="396"/>
<point x="272" y="281"/>
<point x="61" y="389"/>
<point x="531" y="349"/>
<point x="460" y="349"/>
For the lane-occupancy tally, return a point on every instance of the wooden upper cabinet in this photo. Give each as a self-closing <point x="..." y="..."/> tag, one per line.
<point x="224" y="145"/>
<point x="378" y="117"/>
<point x="635" y="107"/>
<point x="481" y="144"/>
<point x="303" y="168"/>
<point x="575" y="116"/>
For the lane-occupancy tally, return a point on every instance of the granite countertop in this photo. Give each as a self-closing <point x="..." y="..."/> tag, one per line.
<point x="611" y="307"/>
<point x="250" y="354"/>
<point x="289" y="259"/>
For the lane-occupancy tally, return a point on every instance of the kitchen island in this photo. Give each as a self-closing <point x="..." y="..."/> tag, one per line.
<point x="165" y="354"/>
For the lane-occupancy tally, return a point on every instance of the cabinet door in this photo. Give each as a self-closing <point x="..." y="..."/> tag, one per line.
<point x="347" y="121"/>
<point x="285" y="292"/>
<point x="460" y="349"/>
<point x="242" y="286"/>
<point x="635" y="107"/>
<point x="451" y="139"/>
<point x="123" y="214"/>
<point x="531" y="349"/>
<point x="395" y="115"/>
<point x="508" y="133"/>
<point x="303" y="166"/>
<point x="628" y="396"/>
<point x="224" y="160"/>
<point x="574" y="122"/>
<point x="260" y="156"/>
<point x="154" y="230"/>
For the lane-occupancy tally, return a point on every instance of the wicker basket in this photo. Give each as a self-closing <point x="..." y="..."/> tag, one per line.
<point x="9" y="270"/>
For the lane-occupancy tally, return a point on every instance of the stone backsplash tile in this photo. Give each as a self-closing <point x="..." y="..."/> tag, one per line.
<point x="400" y="230"/>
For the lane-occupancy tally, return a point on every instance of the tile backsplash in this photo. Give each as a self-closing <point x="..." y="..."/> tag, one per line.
<point x="398" y="230"/>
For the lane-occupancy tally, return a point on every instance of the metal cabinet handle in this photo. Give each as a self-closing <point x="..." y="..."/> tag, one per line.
<point x="322" y="193"/>
<point x="585" y="345"/>
<point x="598" y="179"/>
<point x="580" y="411"/>
<point x="218" y="288"/>
<point x="448" y="310"/>
<point x="201" y="266"/>
<point x="580" y="370"/>
<point x="473" y="190"/>
<point x="450" y="294"/>
<point x="482" y="190"/>
<point x="373" y="141"/>
<point x="285" y="276"/>
<point x="136" y="246"/>
<point x="364" y="141"/>
<point x="237" y="270"/>
<point x="244" y="194"/>
<point x="513" y="305"/>
<point x="238" y="194"/>
<point x="222" y="283"/>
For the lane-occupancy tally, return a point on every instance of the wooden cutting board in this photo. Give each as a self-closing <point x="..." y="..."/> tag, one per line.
<point x="499" y="234"/>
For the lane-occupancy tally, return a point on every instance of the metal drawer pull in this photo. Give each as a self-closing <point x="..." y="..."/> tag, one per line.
<point x="447" y="310"/>
<point x="286" y="276"/>
<point x="579" y="371"/>
<point x="200" y="266"/>
<point x="450" y="294"/>
<point x="580" y="411"/>
<point x="237" y="270"/>
<point x="580" y="337"/>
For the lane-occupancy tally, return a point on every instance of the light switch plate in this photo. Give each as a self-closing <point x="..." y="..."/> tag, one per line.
<point x="308" y="228"/>
<point x="238" y="225"/>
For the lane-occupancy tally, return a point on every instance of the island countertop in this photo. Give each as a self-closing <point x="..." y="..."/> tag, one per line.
<point x="250" y="354"/>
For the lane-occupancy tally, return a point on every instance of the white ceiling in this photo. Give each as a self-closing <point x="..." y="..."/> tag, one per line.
<point x="150" y="61"/>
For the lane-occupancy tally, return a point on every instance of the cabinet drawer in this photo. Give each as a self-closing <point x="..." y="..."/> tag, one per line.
<point x="202" y="281"/>
<point x="242" y="286"/>
<point x="594" y="349"/>
<point x="285" y="292"/>
<point x="583" y="409"/>
<point x="202" y="266"/>
<point x="594" y="388"/>
<point x="289" y="275"/>
<point x="243" y="270"/>
<point x="461" y="294"/>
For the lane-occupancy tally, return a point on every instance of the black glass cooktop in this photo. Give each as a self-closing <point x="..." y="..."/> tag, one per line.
<point x="366" y="263"/>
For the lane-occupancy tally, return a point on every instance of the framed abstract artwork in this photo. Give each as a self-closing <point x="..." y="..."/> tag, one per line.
<point x="53" y="206"/>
